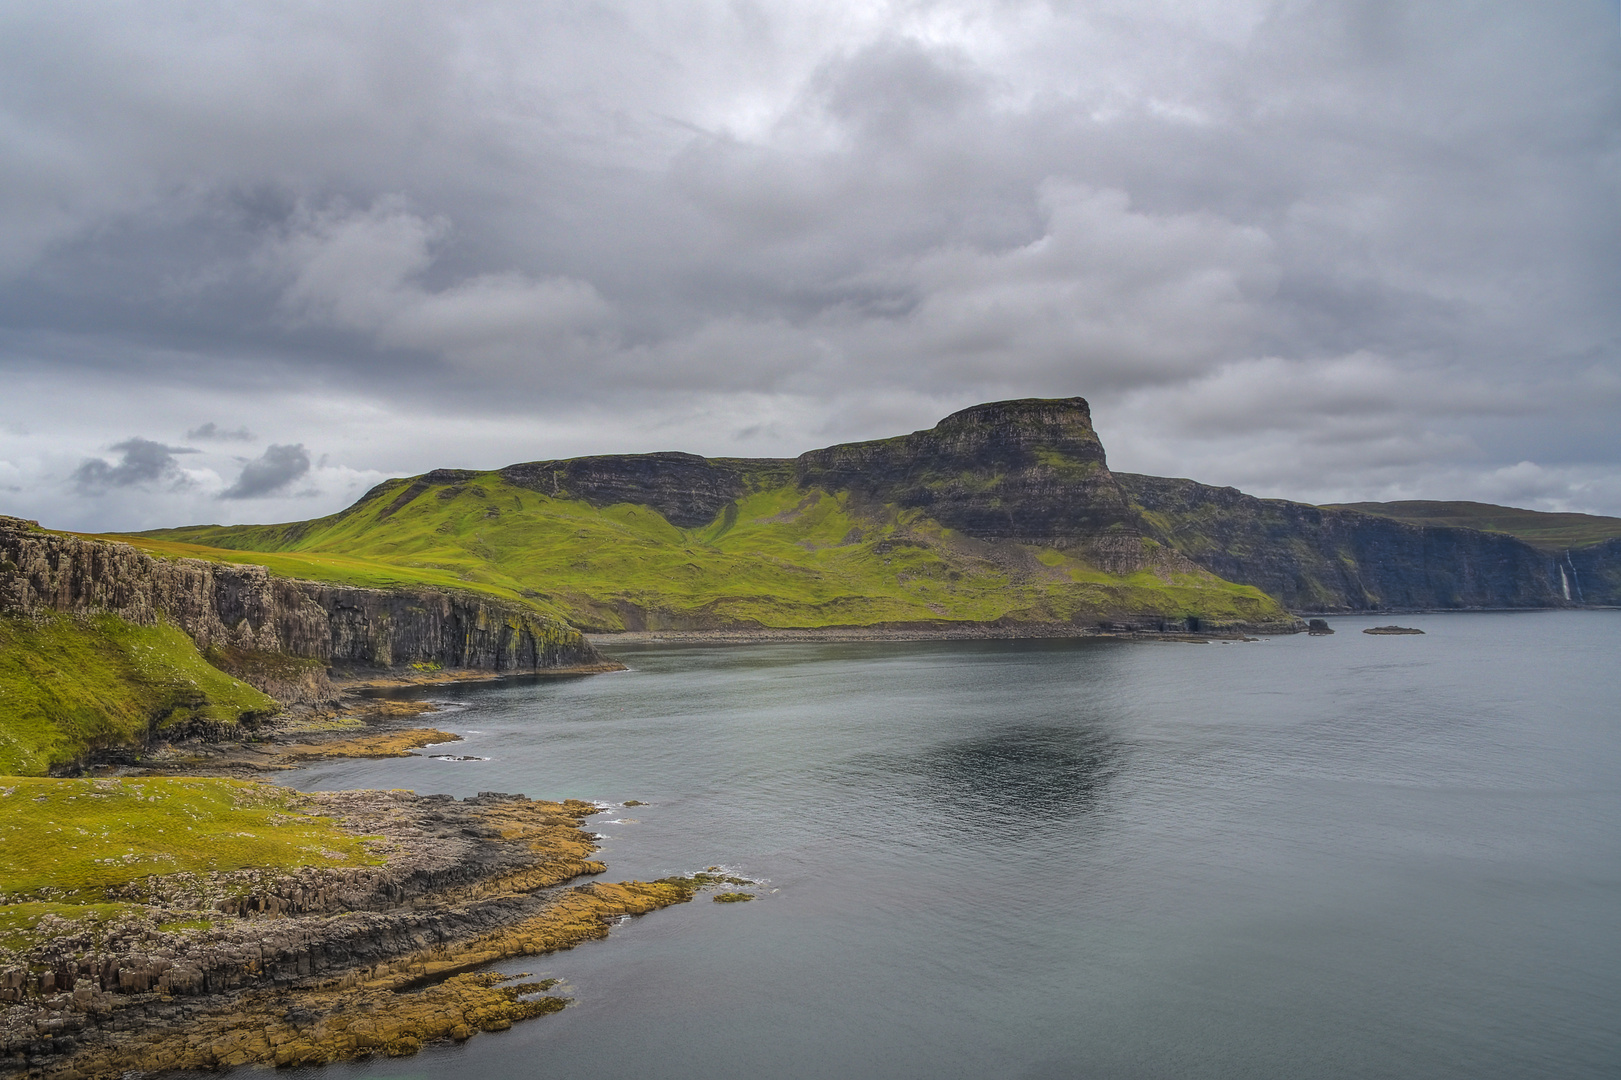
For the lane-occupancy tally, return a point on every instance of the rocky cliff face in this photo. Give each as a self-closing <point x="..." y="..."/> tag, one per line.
<point x="1031" y="470"/>
<point x="687" y="489"/>
<point x="1001" y="475"/>
<point x="1591" y="575"/>
<point x="1316" y="559"/>
<point x="244" y="608"/>
<point x="1034" y="471"/>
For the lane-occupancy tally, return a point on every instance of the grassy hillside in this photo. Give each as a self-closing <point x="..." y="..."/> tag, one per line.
<point x="779" y="556"/>
<point x="74" y="846"/>
<point x="1553" y="532"/>
<point x="69" y="686"/>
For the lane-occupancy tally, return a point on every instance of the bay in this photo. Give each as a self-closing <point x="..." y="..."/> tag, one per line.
<point x="1348" y="856"/>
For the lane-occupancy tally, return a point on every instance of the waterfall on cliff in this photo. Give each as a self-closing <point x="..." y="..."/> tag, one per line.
<point x="1564" y="583"/>
<point x="1574" y="578"/>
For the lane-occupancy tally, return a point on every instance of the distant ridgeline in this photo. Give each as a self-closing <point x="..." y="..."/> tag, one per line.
<point x="1003" y="515"/>
<point x="1002" y="519"/>
<point x="1387" y="556"/>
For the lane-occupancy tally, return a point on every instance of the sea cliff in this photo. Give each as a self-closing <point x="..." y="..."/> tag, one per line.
<point x="1002" y="516"/>
<point x="244" y="609"/>
<point x="1314" y="558"/>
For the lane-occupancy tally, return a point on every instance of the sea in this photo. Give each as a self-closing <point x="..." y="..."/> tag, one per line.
<point x="1344" y="856"/>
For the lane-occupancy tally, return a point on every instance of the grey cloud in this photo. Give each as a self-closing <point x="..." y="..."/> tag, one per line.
<point x="213" y="431"/>
<point x="892" y="88"/>
<point x="361" y="271"/>
<point x="839" y="217"/>
<point x="141" y="461"/>
<point x="269" y="473"/>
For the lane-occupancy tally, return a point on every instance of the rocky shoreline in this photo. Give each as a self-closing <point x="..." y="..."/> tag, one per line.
<point x="308" y="965"/>
<point x="202" y="971"/>
<point x="966" y="632"/>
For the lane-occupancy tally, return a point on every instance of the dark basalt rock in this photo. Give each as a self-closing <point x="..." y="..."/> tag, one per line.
<point x="1319" y="628"/>
<point x="1316" y="559"/>
<point x="455" y="870"/>
<point x="687" y="489"/>
<point x="1392" y="630"/>
<point x="1034" y="471"/>
<point x="1593" y="573"/>
<point x="1031" y="470"/>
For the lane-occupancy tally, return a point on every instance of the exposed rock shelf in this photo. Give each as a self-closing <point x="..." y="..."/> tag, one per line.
<point x="250" y="967"/>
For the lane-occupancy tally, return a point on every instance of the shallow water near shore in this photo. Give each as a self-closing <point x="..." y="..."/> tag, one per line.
<point x="1348" y="856"/>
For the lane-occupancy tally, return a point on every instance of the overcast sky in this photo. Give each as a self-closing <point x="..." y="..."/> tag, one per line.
<point x="256" y="257"/>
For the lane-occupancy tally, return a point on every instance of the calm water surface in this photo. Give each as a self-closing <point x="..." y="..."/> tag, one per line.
<point x="1350" y="856"/>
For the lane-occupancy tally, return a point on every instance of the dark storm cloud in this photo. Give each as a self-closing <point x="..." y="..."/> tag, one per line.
<point x="1392" y="230"/>
<point x="270" y="472"/>
<point x="141" y="461"/>
<point x="213" y="431"/>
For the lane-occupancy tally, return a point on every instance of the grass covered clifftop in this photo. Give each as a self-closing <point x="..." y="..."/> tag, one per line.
<point x="79" y="851"/>
<point x="70" y="686"/>
<point x="1548" y="531"/>
<point x="1001" y="514"/>
<point x="777" y="556"/>
<point x="1324" y="558"/>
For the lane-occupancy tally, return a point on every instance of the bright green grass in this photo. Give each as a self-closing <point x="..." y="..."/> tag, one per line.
<point x="70" y="685"/>
<point x="1550" y="531"/>
<point x="70" y="845"/>
<point x="780" y="557"/>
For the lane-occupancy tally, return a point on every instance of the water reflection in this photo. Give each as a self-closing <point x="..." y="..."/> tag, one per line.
<point x="1020" y="777"/>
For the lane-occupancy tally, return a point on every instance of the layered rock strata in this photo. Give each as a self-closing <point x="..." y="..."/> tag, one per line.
<point x="1320" y="559"/>
<point x="321" y="964"/>
<point x="687" y="489"/>
<point x="1032" y="470"/>
<point x="1005" y="479"/>
<point x="1029" y="471"/>
<point x="226" y="607"/>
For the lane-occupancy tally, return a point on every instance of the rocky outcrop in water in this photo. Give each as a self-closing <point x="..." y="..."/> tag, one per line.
<point x="246" y="612"/>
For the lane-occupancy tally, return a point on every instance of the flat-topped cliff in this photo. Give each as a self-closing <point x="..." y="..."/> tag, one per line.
<point x="1031" y="470"/>
<point x="1004" y="514"/>
<point x="245" y="607"/>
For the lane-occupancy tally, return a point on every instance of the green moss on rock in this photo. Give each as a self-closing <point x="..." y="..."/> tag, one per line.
<point x="70" y="686"/>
